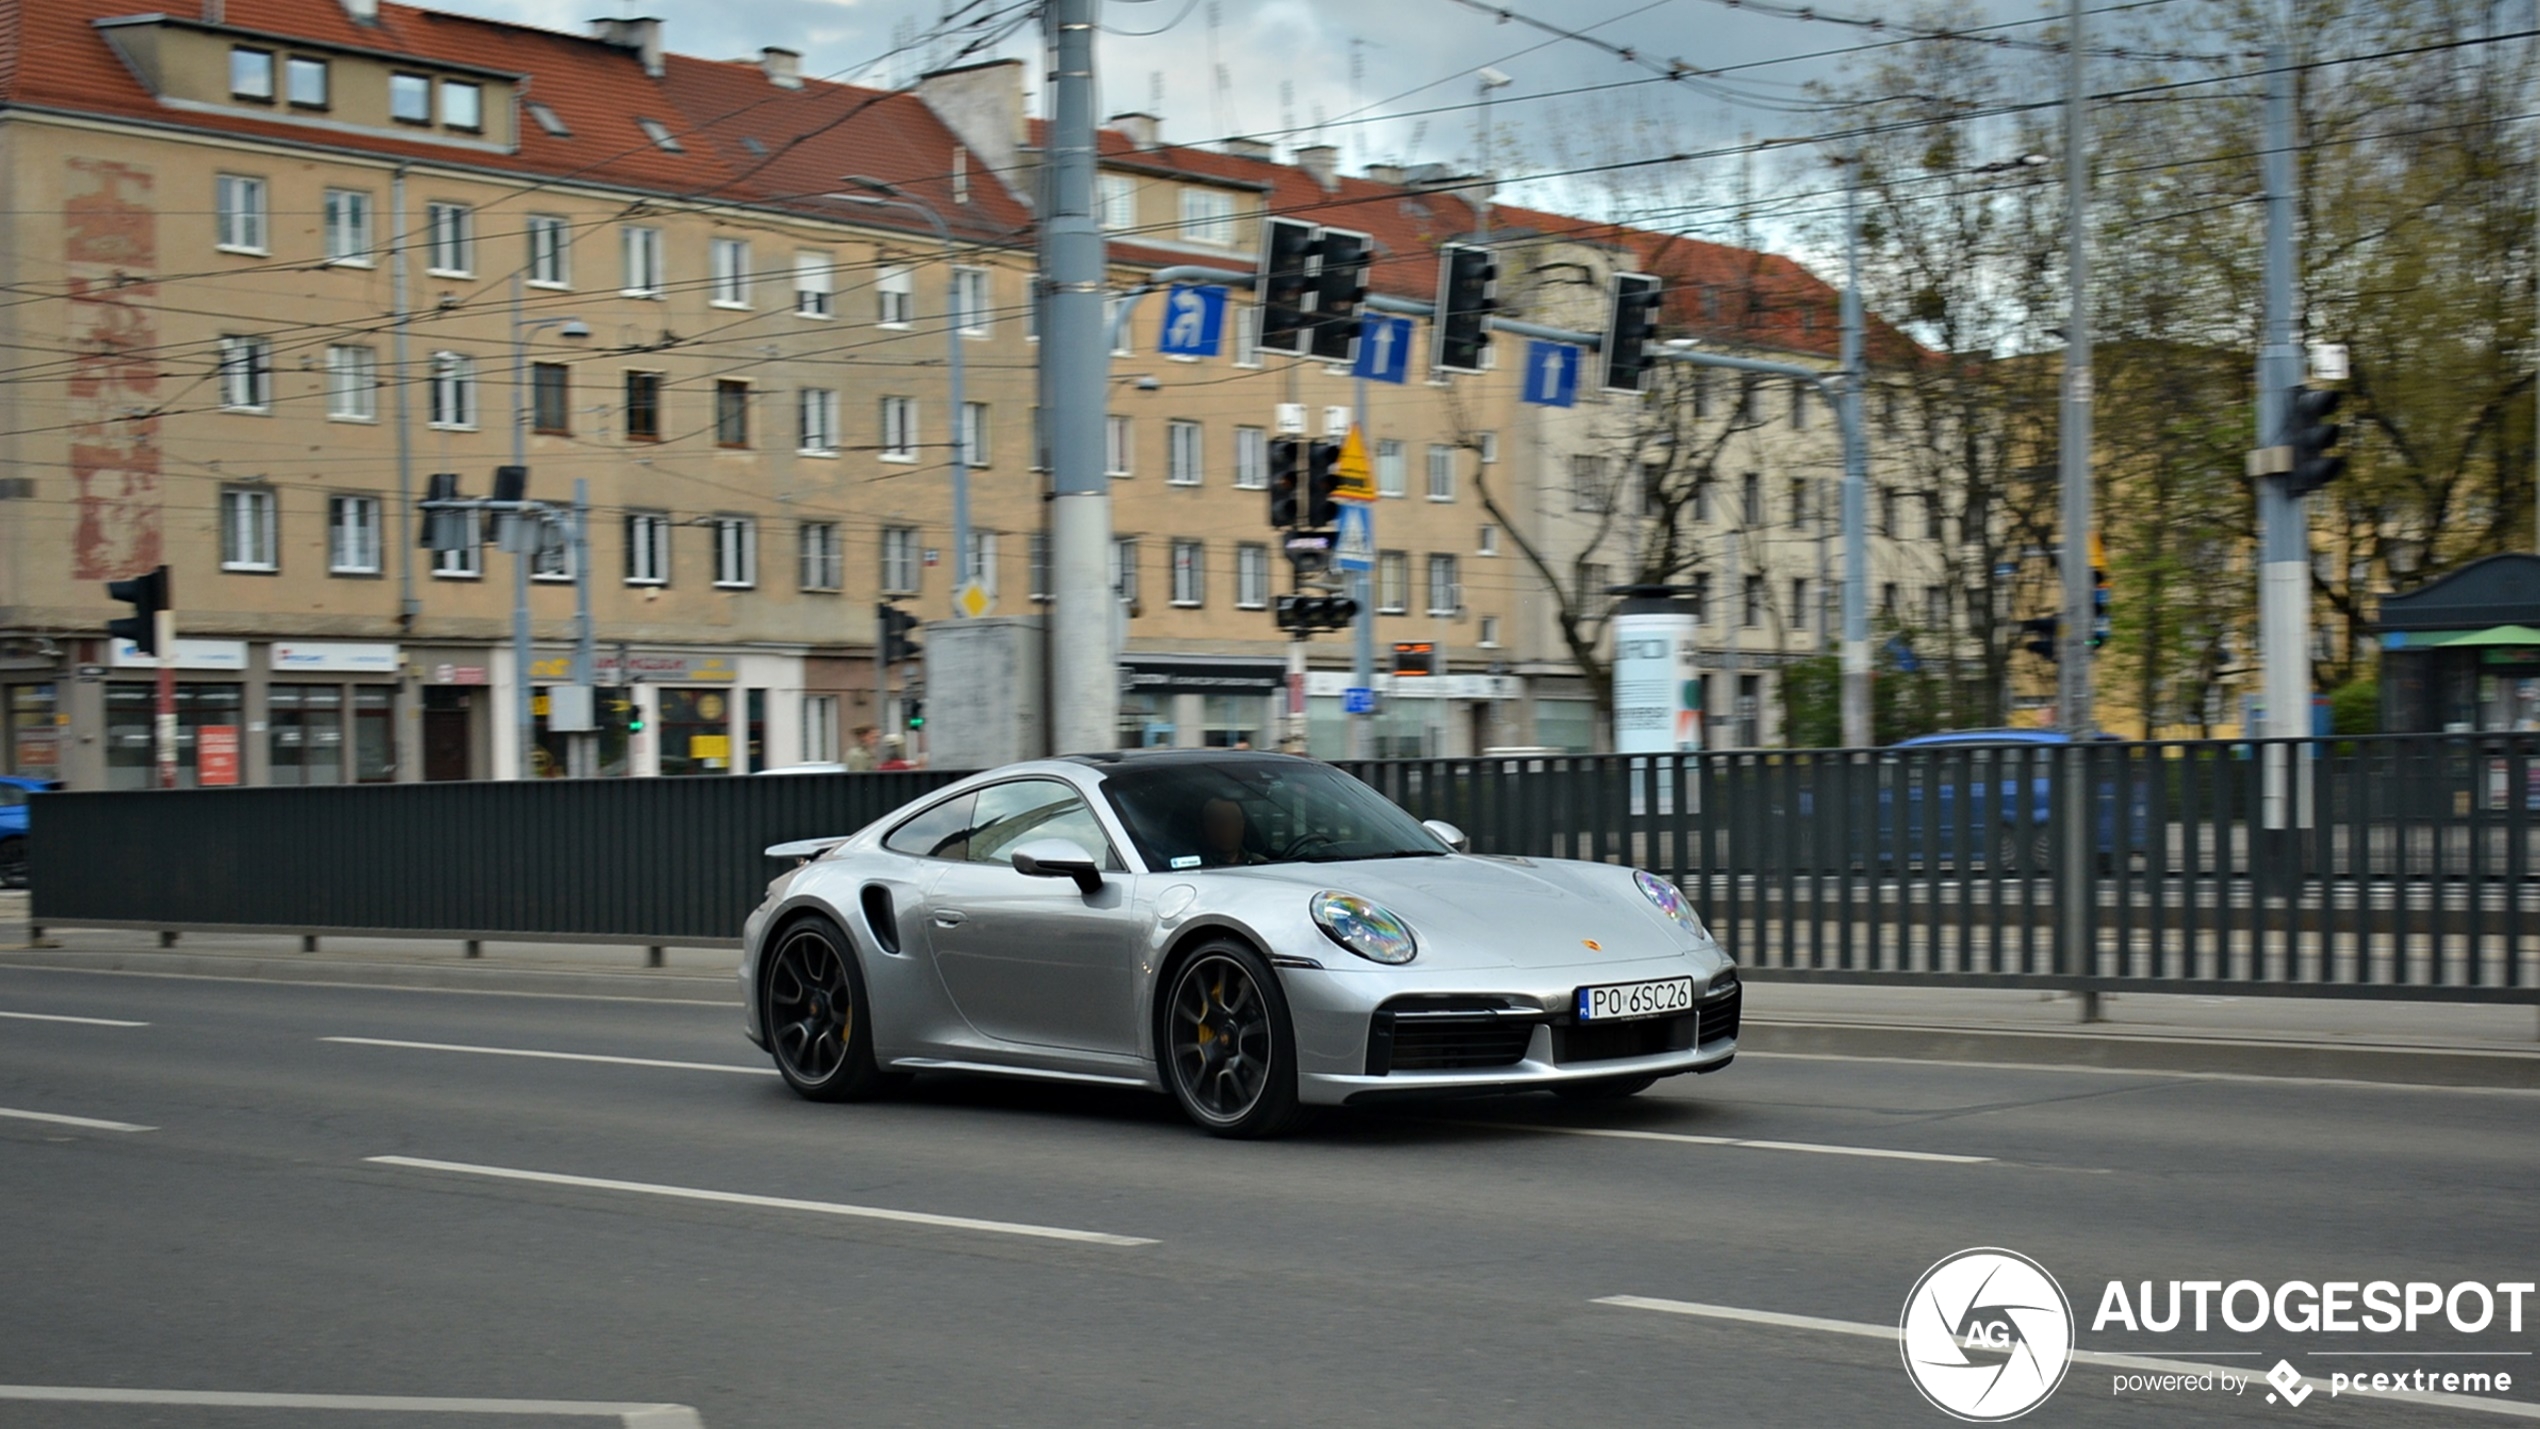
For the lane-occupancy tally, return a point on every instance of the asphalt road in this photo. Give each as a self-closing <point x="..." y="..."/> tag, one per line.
<point x="985" y="1252"/>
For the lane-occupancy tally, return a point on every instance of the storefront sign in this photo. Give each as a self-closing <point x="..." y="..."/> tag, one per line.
<point x="1154" y="675"/>
<point x="639" y="667"/>
<point x="216" y="754"/>
<point x="459" y="675"/>
<point x="334" y="657"/>
<point x="190" y="655"/>
<point x="1333" y="684"/>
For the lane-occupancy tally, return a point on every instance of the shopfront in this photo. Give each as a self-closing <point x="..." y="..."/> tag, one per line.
<point x="31" y="718"/>
<point x="1200" y="701"/>
<point x="2462" y="654"/>
<point x="1416" y="717"/>
<point x="330" y="713"/>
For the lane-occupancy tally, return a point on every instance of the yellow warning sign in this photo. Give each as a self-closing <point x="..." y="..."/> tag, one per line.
<point x="1352" y="478"/>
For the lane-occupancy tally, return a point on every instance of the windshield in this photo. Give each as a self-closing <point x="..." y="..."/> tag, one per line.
<point x="1237" y="812"/>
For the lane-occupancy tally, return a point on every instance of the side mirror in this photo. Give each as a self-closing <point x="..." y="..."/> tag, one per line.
<point x="1448" y="834"/>
<point x="1058" y="858"/>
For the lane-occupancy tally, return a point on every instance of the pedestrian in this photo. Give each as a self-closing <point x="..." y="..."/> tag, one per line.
<point x="894" y="754"/>
<point x="860" y="755"/>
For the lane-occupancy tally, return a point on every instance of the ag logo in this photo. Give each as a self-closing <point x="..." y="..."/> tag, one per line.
<point x="1987" y="1335"/>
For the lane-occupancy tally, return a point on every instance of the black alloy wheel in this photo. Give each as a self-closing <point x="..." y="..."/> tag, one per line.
<point x="817" y="1022"/>
<point x="1229" y="1049"/>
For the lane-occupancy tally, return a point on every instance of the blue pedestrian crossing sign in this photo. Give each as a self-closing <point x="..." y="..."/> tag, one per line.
<point x="1384" y="348"/>
<point x="1354" y="536"/>
<point x="1358" y="699"/>
<point x="1194" y="320"/>
<point x="1552" y="374"/>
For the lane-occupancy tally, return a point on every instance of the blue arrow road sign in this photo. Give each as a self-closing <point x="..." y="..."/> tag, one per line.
<point x="1552" y="374"/>
<point x="1194" y="321"/>
<point x="1358" y="699"/>
<point x="1384" y="348"/>
<point x="1354" y="537"/>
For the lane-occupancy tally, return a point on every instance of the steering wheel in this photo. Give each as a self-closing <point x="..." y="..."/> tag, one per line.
<point x="1302" y="842"/>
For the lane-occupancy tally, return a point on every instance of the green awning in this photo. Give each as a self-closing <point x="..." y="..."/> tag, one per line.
<point x="2458" y="639"/>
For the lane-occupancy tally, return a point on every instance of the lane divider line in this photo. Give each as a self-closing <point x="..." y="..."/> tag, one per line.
<point x="551" y="1056"/>
<point x="1689" y="1139"/>
<point x="83" y="1021"/>
<point x="57" y="1119"/>
<point x="2511" y="1409"/>
<point x="777" y="1203"/>
<point x="631" y="1416"/>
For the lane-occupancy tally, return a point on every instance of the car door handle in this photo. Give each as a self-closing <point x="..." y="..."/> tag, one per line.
<point x="948" y="917"/>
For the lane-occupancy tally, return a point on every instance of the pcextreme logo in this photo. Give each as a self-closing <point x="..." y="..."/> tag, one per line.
<point x="1987" y="1335"/>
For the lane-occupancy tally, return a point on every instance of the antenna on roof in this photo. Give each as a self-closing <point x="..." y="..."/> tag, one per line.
<point x="1287" y="108"/>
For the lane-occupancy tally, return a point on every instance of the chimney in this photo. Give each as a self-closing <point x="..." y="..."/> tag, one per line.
<point x="783" y="67"/>
<point x="362" y="12"/>
<point x="1385" y="173"/>
<point x="1323" y="161"/>
<point x="1144" y="131"/>
<point x="640" y="37"/>
<point x="1249" y="149"/>
<point x="982" y="104"/>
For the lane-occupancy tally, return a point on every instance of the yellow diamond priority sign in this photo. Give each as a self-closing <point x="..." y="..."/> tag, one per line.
<point x="972" y="600"/>
<point x="1353" y="479"/>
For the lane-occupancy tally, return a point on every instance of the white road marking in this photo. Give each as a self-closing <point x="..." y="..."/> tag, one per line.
<point x="352" y="986"/>
<point x="632" y="1416"/>
<point x="57" y="1119"/>
<point x="552" y="1056"/>
<point x="779" y="1203"/>
<point x="83" y="1021"/>
<point x="2509" y="1408"/>
<point x="2155" y="1073"/>
<point x="1688" y="1139"/>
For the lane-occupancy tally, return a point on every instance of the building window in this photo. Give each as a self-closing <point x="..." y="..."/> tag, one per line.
<point x="1800" y="515"/>
<point x="813" y="282"/>
<point x="1486" y="444"/>
<point x="1114" y="321"/>
<point x="551" y="399"/>
<point x="464" y="564"/>
<point x="1936" y="608"/>
<point x="1252" y="459"/>
<point x="304" y="82"/>
<point x="450" y="239"/>
<point x="1190" y="576"/>
<point x="550" y="243"/>
<point x="462" y="105"/>
<point x="1208" y="215"/>
<point x="895" y="289"/>
<point x="735" y="552"/>
<point x="453" y="391"/>
<point x="824" y="561"/>
<point x="647" y="548"/>
<point x="1441" y="473"/>
<point x="818" y="431"/>
<point x="352" y="383"/>
<point x="1118" y="444"/>
<point x="899" y="429"/>
<point x="643" y="261"/>
<point x="554" y="558"/>
<point x="899" y="560"/>
<point x="348" y="238"/>
<point x="1124" y="569"/>
<point x="247" y="539"/>
<point x="352" y="535"/>
<point x="1933" y="518"/>
<point x="549" y="120"/>
<point x="251" y="74"/>
<point x="1037" y="572"/>
<point x="983" y="560"/>
<point x="246" y="373"/>
<point x="1446" y="593"/>
<point x="1750" y="499"/>
<point x="820" y="729"/>
<point x="661" y="136"/>
<point x="1487" y="542"/>
<point x="1489" y="639"/>
<point x="643" y="406"/>
<point x="1700" y="597"/>
<point x="974" y="432"/>
<point x="731" y="273"/>
<point x="1252" y="575"/>
<point x="1800" y="612"/>
<point x="1247" y="335"/>
<point x="410" y="99"/>
<point x="1588" y="580"/>
<point x="1751" y="603"/>
<point x="731" y="414"/>
<point x="239" y="213"/>
<point x="1119" y="201"/>
<point x="970" y="301"/>
<point x="1392" y="475"/>
<point x="1393" y="582"/>
<point x="1182" y="453"/>
<point x="1798" y="407"/>
<point x="1887" y="511"/>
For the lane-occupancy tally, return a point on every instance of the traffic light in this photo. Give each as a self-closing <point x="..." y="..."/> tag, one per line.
<point x="2099" y="626"/>
<point x="2041" y="635"/>
<point x="1316" y="612"/>
<point x="442" y="530"/>
<point x="147" y="594"/>
<point x="622" y="701"/>
<point x="1339" y="288"/>
<point x="895" y="626"/>
<point x="1287" y="481"/>
<point x="916" y="714"/>
<point x="2310" y="433"/>
<point x="1285" y="289"/>
<point x="1468" y="287"/>
<point x="1631" y="323"/>
<point x="1322" y="508"/>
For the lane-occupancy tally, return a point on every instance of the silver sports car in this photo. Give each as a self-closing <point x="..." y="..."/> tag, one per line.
<point x="1255" y="934"/>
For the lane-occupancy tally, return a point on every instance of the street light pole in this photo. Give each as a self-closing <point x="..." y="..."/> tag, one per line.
<point x="524" y="550"/>
<point x="1084" y="676"/>
<point x="1858" y="730"/>
<point x="884" y="195"/>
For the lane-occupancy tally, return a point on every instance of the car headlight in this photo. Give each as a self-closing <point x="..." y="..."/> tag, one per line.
<point x="1365" y="928"/>
<point x="1671" y="902"/>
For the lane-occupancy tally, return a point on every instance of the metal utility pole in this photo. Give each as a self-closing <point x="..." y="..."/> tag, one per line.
<point x="586" y="746"/>
<point x="2076" y="877"/>
<point x="2284" y="578"/>
<point x="1362" y="728"/>
<point x="407" y="606"/>
<point x="1084" y="682"/>
<point x="1858" y="731"/>
<point x="524" y="546"/>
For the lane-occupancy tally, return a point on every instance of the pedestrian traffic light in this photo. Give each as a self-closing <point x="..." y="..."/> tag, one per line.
<point x="1287" y="481"/>
<point x="895" y="626"/>
<point x="1631" y="324"/>
<point x="1322" y="485"/>
<point x="916" y="714"/>
<point x="623" y="700"/>
<point x="1468" y="287"/>
<point x="1285" y="288"/>
<point x="2310" y="433"/>
<point x="2041" y="635"/>
<point x="147" y="594"/>
<point x="1339" y="287"/>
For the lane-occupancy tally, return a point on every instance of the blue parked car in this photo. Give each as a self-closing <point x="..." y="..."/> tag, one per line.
<point x="2010" y="832"/>
<point x="14" y="790"/>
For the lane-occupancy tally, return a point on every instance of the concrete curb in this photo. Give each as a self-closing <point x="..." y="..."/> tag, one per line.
<point x="2148" y="1052"/>
<point x="647" y="986"/>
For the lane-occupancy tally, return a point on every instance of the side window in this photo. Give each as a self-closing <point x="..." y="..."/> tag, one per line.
<point x="11" y="796"/>
<point x="1011" y="815"/>
<point x="939" y="832"/>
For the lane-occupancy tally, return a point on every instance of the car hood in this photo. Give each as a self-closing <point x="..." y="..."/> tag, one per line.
<point x="1476" y="911"/>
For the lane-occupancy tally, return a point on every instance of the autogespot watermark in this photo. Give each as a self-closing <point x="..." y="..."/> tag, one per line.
<point x="1987" y="1335"/>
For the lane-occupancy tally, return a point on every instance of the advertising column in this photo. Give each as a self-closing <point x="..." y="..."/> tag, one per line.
<point x="1657" y="689"/>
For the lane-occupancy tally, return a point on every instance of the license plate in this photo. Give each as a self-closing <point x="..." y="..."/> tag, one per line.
<point x="1621" y="1001"/>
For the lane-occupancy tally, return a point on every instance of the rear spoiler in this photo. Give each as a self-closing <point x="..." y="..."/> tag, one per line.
<point x="805" y="850"/>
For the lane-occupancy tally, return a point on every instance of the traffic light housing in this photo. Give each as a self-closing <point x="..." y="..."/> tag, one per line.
<point x="443" y="530"/>
<point x="1287" y="482"/>
<point x="1340" y="285"/>
<point x="1306" y="612"/>
<point x="916" y="715"/>
<point x="1322" y="507"/>
<point x="147" y="594"/>
<point x="1631" y="324"/>
<point x="896" y="625"/>
<point x="622" y="700"/>
<point x="2099" y="592"/>
<point x="2039" y="636"/>
<point x="1468" y="292"/>
<point x="1285" y="288"/>
<point x="2310" y="433"/>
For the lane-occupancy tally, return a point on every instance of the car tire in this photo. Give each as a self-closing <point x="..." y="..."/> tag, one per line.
<point x="1225" y="1045"/>
<point x="12" y="863"/>
<point x="1604" y="1089"/>
<point x="814" y="1012"/>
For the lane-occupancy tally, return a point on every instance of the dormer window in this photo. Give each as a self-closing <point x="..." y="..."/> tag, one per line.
<point x="410" y="98"/>
<point x="661" y="136"/>
<point x="462" y="105"/>
<point x="549" y="120"/>
<point x="304" y="82"/>
<point x="251" y="74"/>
